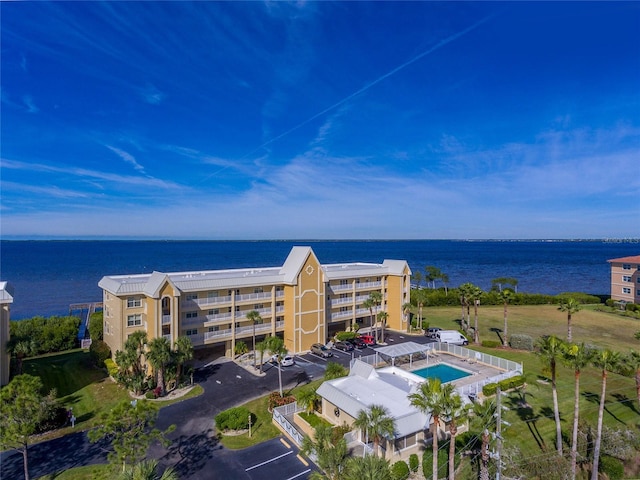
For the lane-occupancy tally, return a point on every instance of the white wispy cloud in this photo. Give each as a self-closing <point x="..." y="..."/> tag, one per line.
<point x="127" y="157"/>
<point x="152" y="95"/>
<point x="47" y="191"/>
<point x="30" y="104"/>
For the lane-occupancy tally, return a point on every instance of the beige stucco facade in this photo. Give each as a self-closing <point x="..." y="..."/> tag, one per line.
<point x="6" y="299"/>
<point x="303" y="301"/>
<point x="625" y="279"/>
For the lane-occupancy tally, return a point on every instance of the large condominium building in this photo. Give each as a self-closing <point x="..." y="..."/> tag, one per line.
<point x="6" y="299"/>
<point x="303" y="301"/>
<point x="625" y="279"/>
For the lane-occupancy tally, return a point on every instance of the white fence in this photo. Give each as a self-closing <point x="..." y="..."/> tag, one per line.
<point x="279" y="416"/>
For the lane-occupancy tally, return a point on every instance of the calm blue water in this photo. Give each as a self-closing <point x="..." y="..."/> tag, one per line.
<point x="50" y="275"/>
<point x="446" y="373"/>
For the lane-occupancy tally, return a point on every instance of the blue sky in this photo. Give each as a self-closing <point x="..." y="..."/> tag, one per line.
<point x="328" y="120"/>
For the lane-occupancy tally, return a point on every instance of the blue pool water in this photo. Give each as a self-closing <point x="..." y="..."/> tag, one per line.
<point x="446" y="373"/>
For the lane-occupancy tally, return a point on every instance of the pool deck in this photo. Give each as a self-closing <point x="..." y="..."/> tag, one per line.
<point x="478" y="371"/>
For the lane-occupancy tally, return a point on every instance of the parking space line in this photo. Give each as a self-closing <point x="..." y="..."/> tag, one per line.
<point x="306" y="464"/>
<point x="301" y="473"/>
<point x="269" y="461"/>
<point x="285" y="443"/>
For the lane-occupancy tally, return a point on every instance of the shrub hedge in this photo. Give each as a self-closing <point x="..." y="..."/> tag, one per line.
<point x="112" y="368"/>
<point x="414" y="462"/>
<point x="612" y="467"/>
<point x="99" y="352"/>
<point x="236" y="418"/>
<point x="400" y="470"/>
<point x="506" y="384"/>
<point x="521" y="342"/>
<point x="52" y="334"/>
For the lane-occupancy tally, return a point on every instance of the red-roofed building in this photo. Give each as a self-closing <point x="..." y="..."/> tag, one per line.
<point x="625" y="279"/>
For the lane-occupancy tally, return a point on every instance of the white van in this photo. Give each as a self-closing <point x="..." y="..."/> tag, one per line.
<point x="451" y="336"/>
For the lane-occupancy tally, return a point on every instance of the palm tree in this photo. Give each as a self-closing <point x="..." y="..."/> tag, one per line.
<point x="330" y="454"/>
<point x="376" y="296"/>
<point x="277" y="348"/>
<point x="570" y="306"/>
<point x="445" y="282"/>
<point x="465" y="291"/>
<point x="406" y="310"/>
<point x="576" y="357"/>
<point x="455" y="410"/>
<point x="147" y="470"/>
<point x="262" y="347"/>
<point x="633" y="361"/>
<point x="308" y="399"/>
<point x="551" y="349"/>
<point x="484" y="419"/>
<point x="476" y="293"/>
<point x="367" y="468"/>
<point x="608" y="361"/>
<point x="505" y="295"/>
<point x="20" y="349"/>
<point x="376" y="423"/>
<point x="369" y="303"/>
<point x="432" y="274"/>
<point x="159" y="355"/>
<point x="182" y="352"/>
<point x="420" y="298"/>
<point x="254" y="317"/>
<point x="382" y="318"/>
<point x="335" y="370"/>
<point x="429" y="399"/>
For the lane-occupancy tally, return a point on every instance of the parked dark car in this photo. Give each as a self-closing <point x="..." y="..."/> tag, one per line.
<point x="344" y="346"/>
<point x="321" y="350"/>
<point x="357" y="343"/>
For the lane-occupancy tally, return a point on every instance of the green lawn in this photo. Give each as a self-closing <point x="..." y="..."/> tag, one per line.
<point x="89" y="472"/>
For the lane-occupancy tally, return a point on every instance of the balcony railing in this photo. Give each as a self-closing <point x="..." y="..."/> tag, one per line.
<point x="368" y="285"/>
<point x="341" y="301"/>
<point x="166" y="319"/>
<point x="248" y="297"/>
<point x="341" y="288"/>
<point x="241" y="332"/>
<point x="205" y="302"/>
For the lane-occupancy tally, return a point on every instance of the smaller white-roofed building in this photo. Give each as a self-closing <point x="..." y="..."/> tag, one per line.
<point x="6" y="299"/>
<point x="343" y="398"/>
<point x="303" y="301"/>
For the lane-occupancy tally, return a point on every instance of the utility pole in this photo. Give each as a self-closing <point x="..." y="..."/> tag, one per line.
<point x="499" y="433"/>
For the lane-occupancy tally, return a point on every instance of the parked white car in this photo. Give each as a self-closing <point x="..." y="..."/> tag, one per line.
<point x="286" y="361"/>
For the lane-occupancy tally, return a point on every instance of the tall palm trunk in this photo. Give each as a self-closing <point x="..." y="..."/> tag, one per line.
<point x="476" y="334"/>
<point x="556" y="408"/>
<point x="161" y="380"/>
<point x="434" y="445"/>
<point x="569" y="336"/>
<point x="574" y="437"/>
<point x="453" y="431"/>
<point x="506" y="335"/>
<point x="596" y="450"/>
<point x="638" y="384"/>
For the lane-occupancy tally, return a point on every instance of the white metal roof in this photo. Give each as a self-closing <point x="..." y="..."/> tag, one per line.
<point x="406" y="348"/>
<point x="6" y="292"/>
<point x="148" y="284"/>
<point x="388" y="387"/>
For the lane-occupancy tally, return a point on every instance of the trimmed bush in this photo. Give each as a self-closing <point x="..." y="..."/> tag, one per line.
<point x="150" y="395"/>
<point x="522" y="342"/>
<point x="414" y="462"/>
<point x="112" y="368"/>
<point x="275" y="400"/>
<point x="612" y="467"/>
<point x="490" y="389"/>
<point x="99" y="352"/>
<point x="236" y="418"/>
<point x="506" y="384"/>
<point x="400" y="470"/>
<point x="491" y="343"/>
<point x="342" y="336"/>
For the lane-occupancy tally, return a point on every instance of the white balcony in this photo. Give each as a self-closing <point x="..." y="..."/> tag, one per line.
<point x="341" y="301"/>
<point x="368" y="285"/>
<point x="205" y="302"/>
<point x="252" y="297"/>
<point x="341" y="288"/>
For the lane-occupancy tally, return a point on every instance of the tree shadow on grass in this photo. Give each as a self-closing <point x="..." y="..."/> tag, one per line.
<point x="627" y="402"/>
<point x="595" y="398"/>
<point x="498" y="332"/>
<point x="524" y="410"/>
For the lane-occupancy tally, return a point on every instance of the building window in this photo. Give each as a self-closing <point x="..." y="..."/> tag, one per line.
<point x="212" y="294"/>
<point x="191" y="315"/>
<point x="258" y="306"/>
<point x="344" y="281"/>
<point x="192" y="296"/>
<point x="626" y="290"/>
<point x="237" y="324"/>
<point x="237" y="292"/>
<point x="133" y="302"/>
<point x="214" y="311"/>
<point x="626" y="278"/>
<point x="214" y="329"/>
<point x="626" y="266"/>
<point x="257" y="290"/>
<point x="134" y="320"/>
<point x="193" y="331"/>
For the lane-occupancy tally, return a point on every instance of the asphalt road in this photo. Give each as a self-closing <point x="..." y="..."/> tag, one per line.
<point x="195" y="452"/>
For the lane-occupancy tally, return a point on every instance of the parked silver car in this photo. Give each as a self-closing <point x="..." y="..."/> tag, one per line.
<point x="321" y="350"/>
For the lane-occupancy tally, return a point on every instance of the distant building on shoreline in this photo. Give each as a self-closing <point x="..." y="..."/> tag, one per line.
<point x="6" y="299"/>
<point x="303" y="301"/>
<point x="625" y="279"/>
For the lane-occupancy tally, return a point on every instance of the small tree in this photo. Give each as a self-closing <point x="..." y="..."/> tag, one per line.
<point x="308" y="399"/>
<point x="96" y="326"/>
<point x="570" y="306"/>
<point x="148" y="470"/>
<point x="159" y="355"/>
<point x="23" y="409"/>
<point x="377" y="424"/>
<point x="182" y="352"/>
<point x="382" y="318"/>
<point x="129" y="427"/>
<point x="330" y="454"/>
<point x="335" y="370"/>
<point x="254" y="317"/>
<point x="277" y="348"/>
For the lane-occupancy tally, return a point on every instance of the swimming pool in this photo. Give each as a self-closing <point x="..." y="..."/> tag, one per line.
<point x="445" y="372"/>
